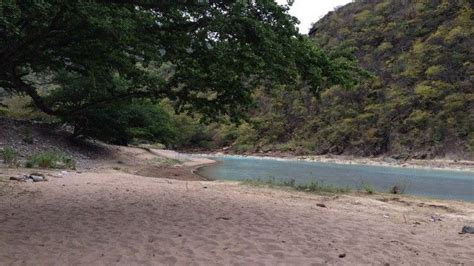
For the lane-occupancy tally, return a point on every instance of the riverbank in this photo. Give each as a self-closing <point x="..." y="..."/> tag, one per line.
<point x="435" y="164"/>
<point x="147" y="207"/>
<point x="111" y="217"/>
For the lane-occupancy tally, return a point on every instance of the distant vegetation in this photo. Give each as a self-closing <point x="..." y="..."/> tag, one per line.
<point x="419" y="103"/>
<point x="51" y="159"/>
<point x="10" y="156"/>
<point x="45" y="159"/>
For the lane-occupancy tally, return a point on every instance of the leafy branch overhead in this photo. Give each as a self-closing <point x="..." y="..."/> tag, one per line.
<point x="74" y="58"/>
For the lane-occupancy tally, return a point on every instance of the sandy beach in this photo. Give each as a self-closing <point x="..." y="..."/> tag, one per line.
<point x="112" y="216"/>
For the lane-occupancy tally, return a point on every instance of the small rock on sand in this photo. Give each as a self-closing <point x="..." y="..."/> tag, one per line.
<point x="467" y="230"/>
<point x="37" y="178"/>
<point x="29" y="178"/>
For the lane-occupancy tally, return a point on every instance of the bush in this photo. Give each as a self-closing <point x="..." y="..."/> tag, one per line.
<point x="10" y="156"/>
<point x="313" y="186"/>
<point x="368" y="188"/>
<point x="51" y="159"/>
<point x="28" y="136"/>
<point x="243" y="148"/>
<point x="318" y="187"/>
<point x="289" y="183"/>
<point x="122" y="123"/>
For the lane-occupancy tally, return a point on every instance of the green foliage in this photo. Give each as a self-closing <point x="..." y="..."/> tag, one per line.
<point x="368" y="188"/>
<point x="435" y="70"/>
<point x="91" y="63"/>
<point x="28" y="135"/>
<point x="167" y="161"/>
<point x="51" y="159"/>
<point x="384" y="47"/>
<point x="10" y="156"/>
<point x="312" y="187"/>
<point x="319" y="187"/>
<point x="122" y="123"/>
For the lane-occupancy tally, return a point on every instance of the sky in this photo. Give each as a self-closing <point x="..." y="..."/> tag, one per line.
<point x="309" y="11"/>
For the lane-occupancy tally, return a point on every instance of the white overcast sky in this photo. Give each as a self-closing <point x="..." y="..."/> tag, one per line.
<point x="309" y="11"/>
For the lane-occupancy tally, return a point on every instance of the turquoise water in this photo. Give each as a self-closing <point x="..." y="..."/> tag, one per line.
<point x="432" y="183"/>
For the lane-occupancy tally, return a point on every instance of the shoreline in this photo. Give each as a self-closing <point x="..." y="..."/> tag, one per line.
<point x="132" y="208"/>
<point x="434" y="164"/>
<point x="111" y="217"/>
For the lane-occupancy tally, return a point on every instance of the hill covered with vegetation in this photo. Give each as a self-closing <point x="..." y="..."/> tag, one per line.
<point x="422" y="98"/>
<point x="419" y="103"/>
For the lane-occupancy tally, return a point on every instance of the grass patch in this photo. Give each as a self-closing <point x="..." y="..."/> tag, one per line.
<point x="51" y="159"/>
<point x="10" y="156"/>
<point x="4" y="188"/>
<point x="318" y="187"/>
<point x="368" y="188"/>
<point x="148" y="147"/>
<point x="163" y="161"/>
<point x="313" y="187"/>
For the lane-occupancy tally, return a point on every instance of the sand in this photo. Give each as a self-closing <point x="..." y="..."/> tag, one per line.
<point x="111" y="217"/>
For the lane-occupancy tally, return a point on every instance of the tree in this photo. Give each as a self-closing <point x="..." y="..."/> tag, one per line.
<point x="76" y="58"/>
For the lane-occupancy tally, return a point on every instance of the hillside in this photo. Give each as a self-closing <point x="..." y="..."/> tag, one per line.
<point x="421" y="54"/>
<point x="419" y="104"/>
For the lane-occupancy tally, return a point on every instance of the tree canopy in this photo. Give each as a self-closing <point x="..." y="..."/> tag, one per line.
<point x="79" y="58"/>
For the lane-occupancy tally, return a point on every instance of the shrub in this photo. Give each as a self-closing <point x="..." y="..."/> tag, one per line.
<point x="242" y="148"/>
<point x="314" y="186"/>
<point x="319" y="187"/>
<point x="368" y="188"/>
<point x="28" y="135"/>
<point x="123" y="123"/>
<point x="51" y="159"/>
<point x="289" y="183"/>
<point x="10" y="156"/>
<point x="163" y="161"/>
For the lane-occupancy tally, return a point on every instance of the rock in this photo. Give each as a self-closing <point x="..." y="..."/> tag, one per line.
<point x="37" y="178"/>
<point x="390" y="160"/>
<point x="343" y="255"/>
<point x="321" y="205"/>
<point x="467" y="230"/>
<point x="435" y="218"/>
<point x="19" y="179"/>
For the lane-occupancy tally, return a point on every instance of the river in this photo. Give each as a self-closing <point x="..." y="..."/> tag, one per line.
<point x="444" y="184"/>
